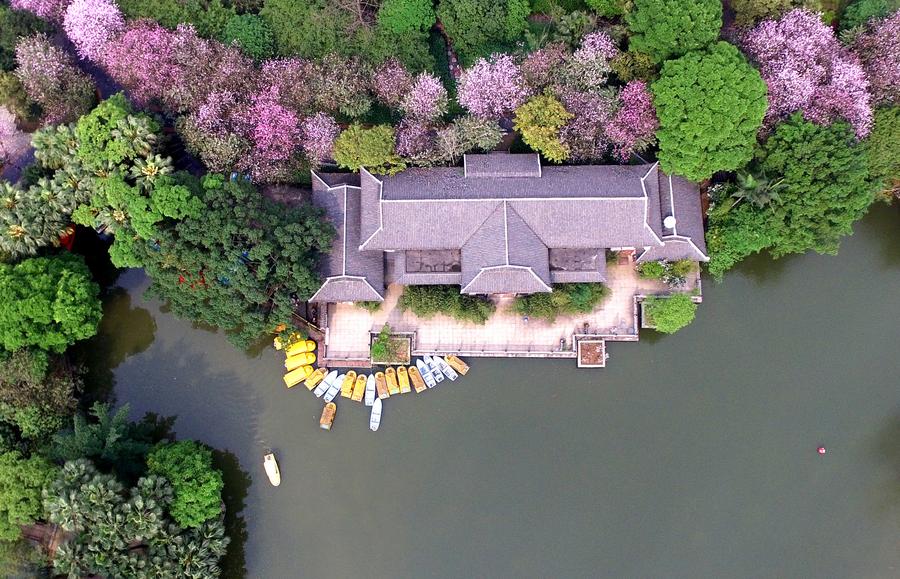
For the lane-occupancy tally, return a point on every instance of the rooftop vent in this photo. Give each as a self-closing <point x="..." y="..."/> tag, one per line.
<point x="669" y="222"/>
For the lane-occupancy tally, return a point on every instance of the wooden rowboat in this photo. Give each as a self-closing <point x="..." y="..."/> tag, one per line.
<point x="359" y="388"/>
<point x="457" y="364"/>
<point x="315" y="378"/>
<point x="403" y="379"/>
<point x="327" y="418"/>
<point x="381" y="386"/>
<point x="418" y="382"/>
<point x="391" y="375"/>
<point x="347" y="386"/>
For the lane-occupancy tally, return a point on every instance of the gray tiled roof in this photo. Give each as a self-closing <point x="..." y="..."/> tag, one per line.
<point x="577" y="265"/>
<point x="502" y="165"/>
<point x="346" y="289"/>
<point x="506" y="279"/>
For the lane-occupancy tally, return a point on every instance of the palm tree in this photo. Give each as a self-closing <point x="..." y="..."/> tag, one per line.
<point x="757" y="189"/>
<point x="147" y="171"/>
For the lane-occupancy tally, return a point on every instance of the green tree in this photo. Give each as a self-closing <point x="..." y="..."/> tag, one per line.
<point x="565" y="299"/>
<point x="198" y="486"/>
<point x="113" y="135"/>
<point x="426" y="301"/>
<point x="479" y="27"/>
<point x="48" y="303"/>
<point x="207" y="16"/>
<point x="748" y="12"/>
<point x="710" y="106"/>
<point x="370" y="148"/>
<point x="670" y="314"/>
<point x="665" y="29"/>
<point x="37" y="391"/>
<point x="21" y="482"/>
<point x="402" y="16"/>
<point x="15" y="24"/>
<point x="539" y="121"/>
<point x="859" y="12"/>
<point x="251" y="33"/>
<point x="608" y="8"/>
<point x="883" y="149"/>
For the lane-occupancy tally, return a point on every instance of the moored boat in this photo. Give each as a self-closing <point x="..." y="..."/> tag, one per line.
<point x="435" y="369"/>
<point x="417" y="381"/>
<point x="446" y="369"/>
<point x="457" y="364"/>
<point x="375" y="417"/>
<point x="325" y="384"/>
<point x="272" y="470"/>
<point x="370" y="390"/>
<point x="391" y="375"/>
<point x="327" y="418"/>
<point x="333" y="388"/>
<point x="403" y="379"/>
<point x="315" y="378"/>
<point x="347" y="385"/>
<point x="381" y="386"/>
<point x="299" y="347"/>
<point x="298" y="360"/>
<point x="425" y="371"/>
<point x="359" y="388"/>
<point x="296" y="376"/>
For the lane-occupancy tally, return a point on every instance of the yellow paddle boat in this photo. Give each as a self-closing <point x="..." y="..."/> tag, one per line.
<point x="298" y="360"/>
<point x="457" y="364"/>
<point x="327" y="418"/>
<point x="279" y="343"/>
<point x="416" y="378"/>
<point x="391" y="375"/>
<point x="403" y="379"/>
<point x="315" y="378"/>
<point x="347" y="386"/>
<point x="300" y="347"/>
<point x="359" y="388"/>
<point x="297" y="375"/>
<point x="381" y="386"/>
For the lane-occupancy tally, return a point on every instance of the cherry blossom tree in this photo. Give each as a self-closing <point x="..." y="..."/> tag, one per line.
<point x="215" y="131"/>
<point x="426" y="99"/>
<point x="584" y="135"/>
<point x="91" y="25"/>
<point x="390" y="82"/>
<point x="413" y="139"/>
<point x="633" y="126"/>
<point x="291" y="76"/>
<point x="51" y="79"/>
<point x="317" y="136"/>
<point x="493" y="87"/>
<point x="52" y="10"/>
<point x="274" y="131"/>
<point x="142" y="60"/>
<point x="540" y="68"/>
<point x="806" y="69"/>
<point x="878" y="48"/>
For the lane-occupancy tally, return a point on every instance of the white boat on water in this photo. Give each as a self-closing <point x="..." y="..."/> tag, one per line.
<point x="375" y="417"/>
<point x="446" y="369"/>
<point x="370" y="390"/>
<point x="272" y="470"/>
<point x="334" y="388"/>
<point x="323" y="386"/>
<point x="435" y="369"/>
<point x="425" y="371"/>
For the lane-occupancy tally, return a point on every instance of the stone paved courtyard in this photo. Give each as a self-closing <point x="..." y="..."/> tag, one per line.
<point x="504" y="334"/>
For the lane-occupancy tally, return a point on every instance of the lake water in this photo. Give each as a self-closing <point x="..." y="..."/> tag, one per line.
<point x="690" y="456"/>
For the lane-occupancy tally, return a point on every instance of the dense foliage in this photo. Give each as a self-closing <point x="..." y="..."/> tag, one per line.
<point x="883" y="149"/>
<point x="858" y="12"/>
<point x="37" y="392"/>
<point x="251" y="33"/>
<point x="427" y="301"/>
<point x="710" y="107"/>
<point x="52" y="80"/>
<point x="665" y="29"/>
<point x="539" y="121"/>
<point x="371" y="148"/>
<point x="670" y="314"/>
<point x="878" y="50"/>
<point x="196" y="484"/>
<point x="480" y="27"/>
<point x="748" y="12"/>
<point x="21" y="482"/>
<point x="16" y="24"/>
<point x="565" y="299"/>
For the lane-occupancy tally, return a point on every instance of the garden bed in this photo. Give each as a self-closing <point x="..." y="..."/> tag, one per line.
<point x="398" y="349"/>
<point x="592" y="353"/>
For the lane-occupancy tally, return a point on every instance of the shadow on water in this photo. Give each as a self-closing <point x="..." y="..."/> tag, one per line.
<point x="237" y="483"/>
<point x="887" y="448"/>
<point x="884" y="222"/>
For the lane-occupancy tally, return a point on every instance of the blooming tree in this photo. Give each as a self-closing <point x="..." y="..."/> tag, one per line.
<point x="390" y="82"/>
<point x="633" y="126"/>
<point x="589" y="67"/>
<point x="493" y="87"/>
<point x="540" y="67"/>
<point x="215" y="131"/>
<point x="52" y="80"/>
<point x="806" y="69"/>
<point x="317" y="136"/>
<point x="274" y="132"/>
<point x="91" y="24"/>
<point x="291" y="76"/>
<point x="413" y="139"/>
<point x="142" y="60"/>
<point x="52" y="10"/>
<point x="13" y="142"/>
<point x="426" y="99"/>
<point x="879" y="50"/>
<point x="584" y="135"/>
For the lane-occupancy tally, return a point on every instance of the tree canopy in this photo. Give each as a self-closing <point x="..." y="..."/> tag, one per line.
<point x="539" y="121"/>
<point x="197" y="485"/>
<point x="710" y="106"/>
<point x="670" y="314"/>
<point x="665" y="29"/>
<point x="21" y="482"/>
<point x="370" y="148"/>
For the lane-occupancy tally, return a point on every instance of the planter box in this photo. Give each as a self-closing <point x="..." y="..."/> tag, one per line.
<point x="592" y="353"/>
<point x="403" y="346"/>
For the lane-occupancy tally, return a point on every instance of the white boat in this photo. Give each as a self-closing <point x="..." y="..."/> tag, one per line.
<point x="435" y="369"/>
<point x="375" y="417"/>
<point x="272" y="470"/>
<point x="446" y="369"/>
<point x="323" y="386"/>
<point x="425" y="371"/>
<point x="334" y="388"/>
<point x="370" y="390"/>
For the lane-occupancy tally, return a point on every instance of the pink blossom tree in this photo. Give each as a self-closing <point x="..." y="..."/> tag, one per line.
<point x="142" y="61"/>
<point x="390" y="82"/>
<point x="317" y="136"/>
<point x="275" y="135"/>
<point x="493" y="87"/>
<point x="215" y="132"/>
<point x="807" y="69"/>
<point x="426" y="99"/>
<point x="51" y="79"/>
<point x="291" y="76"/>
<point x="91" y="25"/>
<point x="52" y="10"/>
<point x="878" y="47"/>
<point x="634" y="125"/>
<point x="584" y="135"/>
<point x="413" y="138"/>
<point x="541" y="67"/>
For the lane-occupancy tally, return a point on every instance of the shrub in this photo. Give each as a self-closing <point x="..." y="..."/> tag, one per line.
<point x="52" y="80"/>
<point x="427" y="301"/>
<point x="492" y="87"/>
<point x="670" y="314"/>
<point x="565" y="299"/>
<point x="401" y="16"/>
<point x="652" y="269"/>
<point x="196" y="484"/>
<point x="251" y="33"/>
<point x="91" y="24"/>
<point x="748" y="12"/>
<point x="464" y="134"/>
<point x="370" y="148"/>
<point x="710" y="106"/>
<point x="631" y="65"/>
<point x="14" y="98"/>
<point x="370" y="307"/>
<point x="859" y="12"/>
<point x="21" y="482"/>
<point x="607" y="8"/>
<point x="665" y="29"/>
<point x="539" y="121"/>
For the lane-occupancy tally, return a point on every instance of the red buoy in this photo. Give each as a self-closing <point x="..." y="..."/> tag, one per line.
<point x="821" y="450"/>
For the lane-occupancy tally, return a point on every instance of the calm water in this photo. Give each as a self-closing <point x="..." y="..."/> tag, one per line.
<point x="690" y="456"/>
